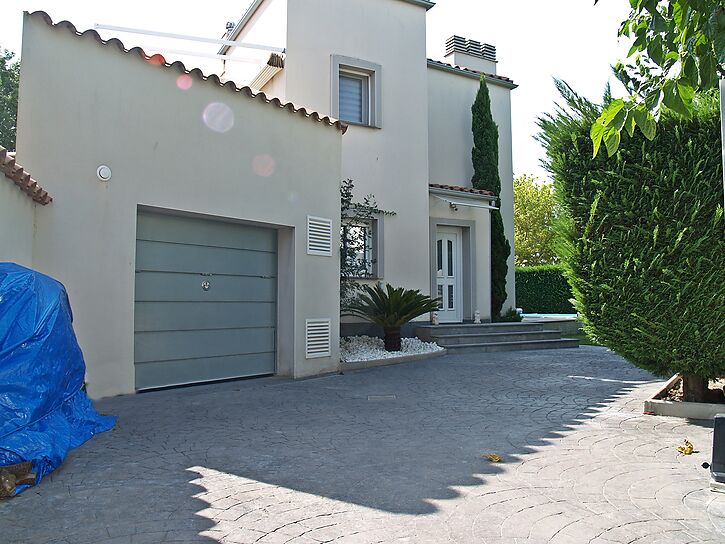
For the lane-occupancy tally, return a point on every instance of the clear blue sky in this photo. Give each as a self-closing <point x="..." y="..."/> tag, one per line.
<point x="536" y="41"/>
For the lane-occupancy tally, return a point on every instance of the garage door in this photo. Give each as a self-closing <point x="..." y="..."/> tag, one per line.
<point x="206" y="295"/>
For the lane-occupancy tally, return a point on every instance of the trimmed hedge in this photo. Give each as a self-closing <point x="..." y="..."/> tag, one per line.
<point x="645" y="251"/>
<point x="543" y="290"/>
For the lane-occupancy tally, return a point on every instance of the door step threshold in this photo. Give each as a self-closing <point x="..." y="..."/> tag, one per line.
<point x="488" y="337"/>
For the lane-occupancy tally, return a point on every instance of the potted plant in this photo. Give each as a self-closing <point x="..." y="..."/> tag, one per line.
<point x="391" y="308"/>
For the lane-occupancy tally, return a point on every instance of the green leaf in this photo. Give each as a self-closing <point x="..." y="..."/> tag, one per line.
<point x="611" y="141"/>
<point x="655" y="51"/>
<point x="611" y="120"/>
<point x="618" y="120"/>
<point x="715" y="29"/>
<point x="687" y="94"/>
<point x="646" y="122"/>
<point x="611" y="111"/>
<point x="629" y="123"/>
<point x="637" y="45"/>
<point x="674" y="100"/>
<point x="652" y="100"/>
<point x="689" y="70"/>
<point x="708" y="71"/>
<point x="678" y="14"/>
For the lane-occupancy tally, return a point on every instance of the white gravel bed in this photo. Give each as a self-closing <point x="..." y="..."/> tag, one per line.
<point x="354" y="349"/>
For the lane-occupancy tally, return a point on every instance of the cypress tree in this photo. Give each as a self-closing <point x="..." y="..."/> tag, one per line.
<point x="485" y="176"/>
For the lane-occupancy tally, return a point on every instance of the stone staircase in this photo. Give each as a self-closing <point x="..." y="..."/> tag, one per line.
<point x="487" y="337"/>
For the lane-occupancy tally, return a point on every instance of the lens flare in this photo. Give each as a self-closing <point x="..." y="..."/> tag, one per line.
<point x="218" y="117"/>
<point x="184" y="82"/>
<point x="263" y="165"/>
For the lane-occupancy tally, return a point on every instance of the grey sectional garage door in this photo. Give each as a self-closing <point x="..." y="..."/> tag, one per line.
<point x="205" y="300"/>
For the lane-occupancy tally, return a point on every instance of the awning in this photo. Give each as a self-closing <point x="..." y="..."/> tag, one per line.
<point x="468" y="203"/>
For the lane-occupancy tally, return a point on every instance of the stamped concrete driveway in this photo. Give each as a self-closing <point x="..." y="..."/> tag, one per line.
<point x="388" y="455"/>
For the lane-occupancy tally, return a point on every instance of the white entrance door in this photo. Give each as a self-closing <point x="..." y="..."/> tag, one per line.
<point x="449" y="274"/>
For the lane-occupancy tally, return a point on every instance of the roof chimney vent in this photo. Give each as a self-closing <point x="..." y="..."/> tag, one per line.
<point x="471" y="54"/>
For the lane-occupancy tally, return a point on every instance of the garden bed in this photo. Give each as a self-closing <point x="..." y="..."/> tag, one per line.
<point x="367" y="351"/>
<point x="668" y="402"/>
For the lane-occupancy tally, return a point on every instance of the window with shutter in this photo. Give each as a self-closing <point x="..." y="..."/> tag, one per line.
<point x="354" y="98"/>
<point x="356" y="91"/>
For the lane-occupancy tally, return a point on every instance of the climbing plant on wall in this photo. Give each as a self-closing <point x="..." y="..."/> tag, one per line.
<point x="357" y="262"/>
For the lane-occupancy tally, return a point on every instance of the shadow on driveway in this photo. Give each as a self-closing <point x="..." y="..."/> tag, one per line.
<point x="193" y="464"/>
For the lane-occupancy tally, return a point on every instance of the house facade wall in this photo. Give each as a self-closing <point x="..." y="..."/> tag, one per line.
<point x="271" y="168"/>
<point x="390" y="162"/>
<point x="450" y="140"/>
<point x="17" y="213"/>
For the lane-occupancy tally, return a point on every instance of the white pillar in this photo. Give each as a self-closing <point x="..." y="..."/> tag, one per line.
<point x="722" y="131"/>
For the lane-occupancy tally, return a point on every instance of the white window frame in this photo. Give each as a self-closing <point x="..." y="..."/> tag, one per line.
<point x="367" y="71"/>
<point x="375" y="245"/>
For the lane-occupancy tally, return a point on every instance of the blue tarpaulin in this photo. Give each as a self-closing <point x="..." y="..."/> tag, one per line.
<point x="44" y="410"/>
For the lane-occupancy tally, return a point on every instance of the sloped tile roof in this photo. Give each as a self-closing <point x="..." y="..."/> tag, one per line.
<point x="461" y="189"/>
<point x="22" y="179"/>
<point x="180" y="68"/>
<point x="502" y="80"/>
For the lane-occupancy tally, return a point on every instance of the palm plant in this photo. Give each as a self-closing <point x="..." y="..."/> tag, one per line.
<point x="391" y="308"/>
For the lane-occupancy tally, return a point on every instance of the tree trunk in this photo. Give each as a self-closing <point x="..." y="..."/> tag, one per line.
<point x="694" y="388"/>
<point x="392" y="339"/>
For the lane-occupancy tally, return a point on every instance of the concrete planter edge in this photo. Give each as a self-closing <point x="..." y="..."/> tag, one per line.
<point x="688" y="410"/>
<point x="359" y="365"/>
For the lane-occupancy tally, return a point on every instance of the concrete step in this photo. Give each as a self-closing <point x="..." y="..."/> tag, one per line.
<point x="514" y="346"/>
<point x="494" y="337"/>
<point x="427" y="331"/>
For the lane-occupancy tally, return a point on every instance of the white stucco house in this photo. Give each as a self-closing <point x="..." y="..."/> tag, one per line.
<point x="195" y="219"/>
<point x="409" y="138"/>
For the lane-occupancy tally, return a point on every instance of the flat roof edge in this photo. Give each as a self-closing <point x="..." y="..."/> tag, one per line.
<point x="496" y="80"/>
<point x="422" y="3"/>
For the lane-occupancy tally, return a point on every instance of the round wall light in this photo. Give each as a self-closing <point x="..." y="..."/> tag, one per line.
<point x="103" y="172"/>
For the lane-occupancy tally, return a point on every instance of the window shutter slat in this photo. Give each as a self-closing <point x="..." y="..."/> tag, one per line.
<point x="351" y="99"/>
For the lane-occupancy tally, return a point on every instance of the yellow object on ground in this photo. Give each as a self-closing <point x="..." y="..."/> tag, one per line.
<point x="494" y="458"/>
<point x="687" y="448"/>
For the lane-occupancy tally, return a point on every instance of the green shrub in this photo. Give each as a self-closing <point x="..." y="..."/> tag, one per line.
<point x="484" y="156"/>
<point x="645" y="250"/>
<point x="391" y="308"/>
<point x="543" y="290"/>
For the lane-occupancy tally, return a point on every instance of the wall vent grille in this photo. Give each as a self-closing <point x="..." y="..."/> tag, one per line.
<point x="317" y="338"/>
<point x="319" y="236"/>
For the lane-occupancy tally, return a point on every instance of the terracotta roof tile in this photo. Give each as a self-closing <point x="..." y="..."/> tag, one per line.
<point x="22" y="179"/>
<point x="179" y="67"/>
<point x="461" y="189"/>
<point x="473" y="73"/>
